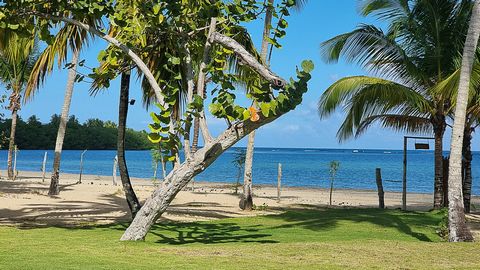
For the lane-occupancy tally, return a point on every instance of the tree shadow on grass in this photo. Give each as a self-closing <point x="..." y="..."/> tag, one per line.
<point x="321" y="219"/>
<point x="209" y="233"/>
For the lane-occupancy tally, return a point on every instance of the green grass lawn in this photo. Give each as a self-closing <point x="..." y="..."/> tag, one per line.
<point x="304" y="239"/>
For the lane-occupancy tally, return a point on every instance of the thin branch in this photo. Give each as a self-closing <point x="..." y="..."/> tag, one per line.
<point x="207" y="137"/>
<point x="191" y="33"/>
<point x="249" y="60"/>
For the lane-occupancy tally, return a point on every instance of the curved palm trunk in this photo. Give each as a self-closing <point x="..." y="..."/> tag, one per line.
<point x="72" y="73"/>
<point x="130" y="195"/>
<point x="457" y="227"/>
<point x="246" y="202"/>
<point x="467" y="179"/>
<point x="439" y="130"/>
<point x="11" y="144"/>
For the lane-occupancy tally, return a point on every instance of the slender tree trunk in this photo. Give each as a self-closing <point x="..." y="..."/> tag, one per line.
<point x="457" y="226"/>
<point x="246" y="202"/>
<point x="196" y="133"/>
<point x="130" y="195"/>
<point x="331" y="191"/>
<point x="11" y="145"/>
<point x="467" y="179"/>
<point x="439" y="130"/>
<point x="155" y="169"/>
<point x="72" y="73"/>
<point x="446" y="162"/>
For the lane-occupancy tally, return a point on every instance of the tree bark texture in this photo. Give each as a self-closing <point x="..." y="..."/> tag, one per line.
<point x="132" y="200"/>
<point x="246" y="202"/>
<point x="439" y="130"/>
<point x="467" y="171"/>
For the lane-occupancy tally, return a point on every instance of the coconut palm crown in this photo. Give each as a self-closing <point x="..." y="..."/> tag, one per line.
<point x="419" y="49"/>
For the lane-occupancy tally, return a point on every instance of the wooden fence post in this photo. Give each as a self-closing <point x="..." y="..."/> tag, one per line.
<point x="81" y="166"/>
<point x="115" y="165"/>
<point x="381" y="194"/>
<point x="44" y="164"/>
<point x="279" y="182"/>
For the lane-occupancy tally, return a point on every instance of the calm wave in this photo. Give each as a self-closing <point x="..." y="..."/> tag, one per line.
<point x="301" y="167"/>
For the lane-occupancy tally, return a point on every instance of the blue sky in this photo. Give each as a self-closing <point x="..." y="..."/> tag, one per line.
<point x="317" y="22"/>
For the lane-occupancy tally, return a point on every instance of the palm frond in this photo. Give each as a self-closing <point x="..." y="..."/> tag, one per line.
<point x="68" y="37"/>
<point x="371" y="48"/>
<point x="369" y="95"/>
<point x="400" y="123"/>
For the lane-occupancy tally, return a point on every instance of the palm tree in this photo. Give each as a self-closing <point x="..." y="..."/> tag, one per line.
<point x="457" y="227"/>
<point x="69" y="36"/>
<point x="471" y="123"/>
<point x="417" y="52"/>
<point x="132" y="200"/>
<point x="17" y="57"/>
<point x="450" y="87"/>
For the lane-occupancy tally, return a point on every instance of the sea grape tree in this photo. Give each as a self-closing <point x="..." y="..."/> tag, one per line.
<point x="178" y="47"/>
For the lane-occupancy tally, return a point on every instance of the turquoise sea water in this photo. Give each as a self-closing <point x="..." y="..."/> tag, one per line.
<point x="301" y="167"/>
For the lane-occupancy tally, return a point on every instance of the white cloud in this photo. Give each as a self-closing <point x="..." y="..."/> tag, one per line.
<point x="291" y="128"/>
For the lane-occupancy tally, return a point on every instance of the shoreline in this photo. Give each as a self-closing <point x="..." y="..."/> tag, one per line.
<point x="139" y="181"/>
<point x="25" y="201"/>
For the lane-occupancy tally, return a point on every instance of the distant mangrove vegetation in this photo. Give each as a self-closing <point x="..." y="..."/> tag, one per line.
<point x="92" y="134"/>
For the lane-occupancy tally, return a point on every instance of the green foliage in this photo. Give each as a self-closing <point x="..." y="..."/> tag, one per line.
<point x="165" y="35"/>
<point x="334" y="166"/>
<point x="419" y="50"/>
<point x="18" y="53"/>
<point x="223" y="105"/>
<point x="93" y="134"/>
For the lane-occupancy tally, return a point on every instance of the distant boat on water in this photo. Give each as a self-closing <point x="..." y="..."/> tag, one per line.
<point x="355" y="151"/>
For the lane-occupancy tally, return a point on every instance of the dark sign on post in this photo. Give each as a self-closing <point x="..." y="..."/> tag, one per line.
<point x="422" y="146"/>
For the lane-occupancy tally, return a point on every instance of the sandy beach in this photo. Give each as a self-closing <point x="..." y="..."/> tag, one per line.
<point x="24" y="201"/>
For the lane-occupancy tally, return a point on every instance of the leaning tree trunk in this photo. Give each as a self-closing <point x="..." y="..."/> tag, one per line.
<point x="11" y="144"/>
<point x="130" y="195"/>
<point x="181" y="175"/>
<point x="439" y="130"/>
<point x="246" y="202"/>
<point x="72" y="73"/>
<point x="467" y="171"/>
<point x="457" y="225"/>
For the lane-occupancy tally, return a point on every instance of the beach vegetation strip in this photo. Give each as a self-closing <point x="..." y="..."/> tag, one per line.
<point x="297" y="239"/>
